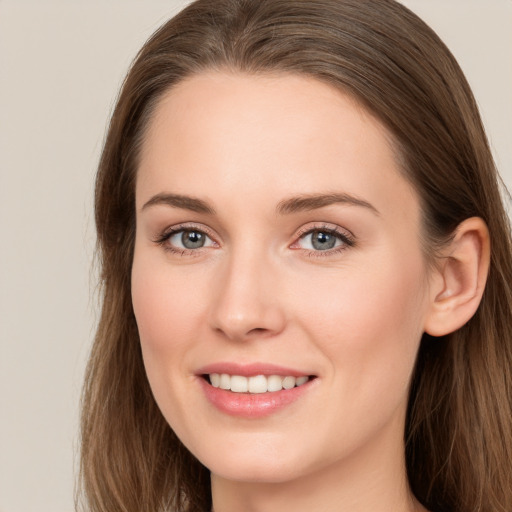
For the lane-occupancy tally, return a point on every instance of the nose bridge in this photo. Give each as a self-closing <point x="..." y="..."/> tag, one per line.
<point x="246" y="303"/>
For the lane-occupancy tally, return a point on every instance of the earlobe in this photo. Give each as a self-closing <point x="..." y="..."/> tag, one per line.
<point x="460" y="280"/>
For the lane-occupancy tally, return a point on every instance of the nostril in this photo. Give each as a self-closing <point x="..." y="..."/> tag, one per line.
<point x="257" y="330"/>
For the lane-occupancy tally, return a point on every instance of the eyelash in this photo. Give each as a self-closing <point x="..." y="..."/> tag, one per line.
<point x="347" y="239"/>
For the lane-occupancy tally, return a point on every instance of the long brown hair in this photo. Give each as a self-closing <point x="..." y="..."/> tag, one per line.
<point x="458" y="432"/>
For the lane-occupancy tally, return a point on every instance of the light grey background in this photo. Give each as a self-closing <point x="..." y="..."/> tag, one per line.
<point x="61" y="63"/>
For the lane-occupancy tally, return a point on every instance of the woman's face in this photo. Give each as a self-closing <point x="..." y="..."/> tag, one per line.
<point x="277" y="245"/>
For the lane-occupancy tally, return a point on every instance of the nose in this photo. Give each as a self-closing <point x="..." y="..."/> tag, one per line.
<point x="246" y="301"/>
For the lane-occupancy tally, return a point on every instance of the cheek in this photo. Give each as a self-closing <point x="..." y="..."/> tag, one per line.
<point x="167" y="307"/>
<point x="369" y="319"/>
<point x="167" y="311"/>
<point x="368" y="326"/>
<point x="166" y="304"/>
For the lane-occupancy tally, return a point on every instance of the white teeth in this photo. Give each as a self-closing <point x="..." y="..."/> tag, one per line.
<point x="301" y="380"/>
<point x="274" y="383"/>
<point x="225" y="381"/>
<point x="289" y="382"/>
<point x="255" y="384"/>
<point x="215" y="379"/>
<point x="258" y="384"/>
<point x="239" y="384"/>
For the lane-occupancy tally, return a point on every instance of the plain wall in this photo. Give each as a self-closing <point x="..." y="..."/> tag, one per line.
<point x="61" y="64"/>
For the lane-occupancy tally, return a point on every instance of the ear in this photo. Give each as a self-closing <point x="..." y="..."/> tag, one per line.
<point x="460" y="277"/>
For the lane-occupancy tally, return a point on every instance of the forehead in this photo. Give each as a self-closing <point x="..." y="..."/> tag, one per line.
<point x="236" y="108"/>
<point x="268" y="134"/>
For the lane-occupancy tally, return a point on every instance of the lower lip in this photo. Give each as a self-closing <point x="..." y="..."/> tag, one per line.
<point x="252" y="405"/>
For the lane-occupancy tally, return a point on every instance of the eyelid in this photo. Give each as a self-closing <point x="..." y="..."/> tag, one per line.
<point x="325" y="226"/>
<point x="319" y="226"/>
<point x="188" y="226"/>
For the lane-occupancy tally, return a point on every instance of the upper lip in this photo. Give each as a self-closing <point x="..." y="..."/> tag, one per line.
<point x="251" y="369"/>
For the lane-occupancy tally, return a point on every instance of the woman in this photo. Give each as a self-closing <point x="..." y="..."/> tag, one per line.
<point x="306" y="272"/>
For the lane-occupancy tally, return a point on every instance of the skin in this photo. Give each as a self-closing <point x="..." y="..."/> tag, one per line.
<point x="259" y="292"/>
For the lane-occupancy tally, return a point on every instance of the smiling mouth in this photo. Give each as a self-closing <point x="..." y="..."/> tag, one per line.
<point x="256" y="384"/>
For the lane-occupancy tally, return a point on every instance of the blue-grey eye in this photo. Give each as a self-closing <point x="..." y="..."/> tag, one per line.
<point x="190" y="239"/>
<point x="321" y="240"/>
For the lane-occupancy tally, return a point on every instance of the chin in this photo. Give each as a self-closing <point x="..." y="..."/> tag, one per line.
<point x="261" y="464"/>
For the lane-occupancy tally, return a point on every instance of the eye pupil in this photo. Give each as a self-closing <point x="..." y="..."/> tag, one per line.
<point x="323" y="241"/>
<point x="192" y="239"/>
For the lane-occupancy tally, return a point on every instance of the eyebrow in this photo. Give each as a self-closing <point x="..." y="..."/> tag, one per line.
<point x="288" y="206"/>
<point x="314" y="201"/>
<point x="179" y="201"/>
